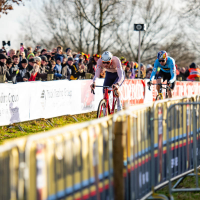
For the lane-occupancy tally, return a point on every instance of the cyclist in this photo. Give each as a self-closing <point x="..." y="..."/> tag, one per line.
<point x="167" y="71"/>
<point x="114" y="73"/>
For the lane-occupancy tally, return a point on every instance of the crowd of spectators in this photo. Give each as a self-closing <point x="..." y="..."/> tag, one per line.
<point x="27" y="64"/>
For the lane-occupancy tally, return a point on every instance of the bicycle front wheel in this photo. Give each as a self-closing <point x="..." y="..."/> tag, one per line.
<point x="102" y="109"/>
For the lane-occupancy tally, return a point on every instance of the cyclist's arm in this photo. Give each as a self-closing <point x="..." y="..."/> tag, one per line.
<point x="119" y="71"/>
<point x="172" y="71"/>
<point x="154" y="72"/>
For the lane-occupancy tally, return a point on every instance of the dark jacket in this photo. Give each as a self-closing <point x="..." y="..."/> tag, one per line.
<point x="23" y="73"/>
<point x="91" y="66"/>
<point x="12" y="76"/>
<point x="3" y="68"/>
<point x="29" y="67"/>
<point x="66" y="71"/>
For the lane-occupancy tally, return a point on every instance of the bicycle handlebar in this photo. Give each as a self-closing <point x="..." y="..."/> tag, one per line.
<point x="160" y="85"/>
<point x="108" y="87"/>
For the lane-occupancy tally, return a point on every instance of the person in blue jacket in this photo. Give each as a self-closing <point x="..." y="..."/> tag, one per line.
<point x="167" y="71"/>
<point x="58" y="68"/>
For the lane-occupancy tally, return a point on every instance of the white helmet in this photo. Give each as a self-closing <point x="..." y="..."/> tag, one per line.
<point x="106" y="56"/>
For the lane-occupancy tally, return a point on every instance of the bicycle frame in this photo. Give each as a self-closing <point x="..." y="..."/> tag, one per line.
<point x="161" y="87"/>
<point x="106" y="97"/>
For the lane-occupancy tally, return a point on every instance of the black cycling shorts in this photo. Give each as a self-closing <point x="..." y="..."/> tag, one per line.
<point x="166" y="76"/>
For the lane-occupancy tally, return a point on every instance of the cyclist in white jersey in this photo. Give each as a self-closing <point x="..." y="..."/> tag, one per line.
<point x="114" y="73"/>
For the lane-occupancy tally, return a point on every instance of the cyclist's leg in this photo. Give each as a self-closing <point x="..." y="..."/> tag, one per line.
<point x="119" y="104"/>
<point x="108" y="81"/>
<point x="169" y="92"/>
<point x="158" y="81"/>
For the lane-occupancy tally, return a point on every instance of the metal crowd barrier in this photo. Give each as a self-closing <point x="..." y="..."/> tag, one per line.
<point x="127" y="156"/>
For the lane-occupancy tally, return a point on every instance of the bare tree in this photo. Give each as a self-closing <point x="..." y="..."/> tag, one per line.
<point x="6" y="5"/>
<point x="102" y="17"/>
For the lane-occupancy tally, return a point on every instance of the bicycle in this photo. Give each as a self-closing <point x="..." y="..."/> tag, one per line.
<point x="160" y="94"/>
<point x="104" y="103"/>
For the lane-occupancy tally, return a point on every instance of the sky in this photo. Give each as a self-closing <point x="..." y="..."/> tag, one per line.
<point x="10" y="24"/>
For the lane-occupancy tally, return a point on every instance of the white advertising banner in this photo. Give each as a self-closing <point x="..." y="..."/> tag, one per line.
<point x="14" y="103"/>
<point x="34" y="100"/>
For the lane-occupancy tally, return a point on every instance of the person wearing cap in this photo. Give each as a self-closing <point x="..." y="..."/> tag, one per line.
<point x="3" y="51"/>
<point x="192" y="73"/>
<point x="24" y="73"/>
<point x="44" y="65"/>
<point x="31" y="64"/>
<point x="66" y="71"/>
<point x="92" y="64"/>
<point x="30" y="55"/>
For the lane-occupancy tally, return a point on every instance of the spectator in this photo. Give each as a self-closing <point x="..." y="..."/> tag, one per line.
<point x="3" y="51"/>
<point x="92" y="64"/>
<point x="44" y="62"/>
<point x="34" y="73"/>
<point x="66" y="71"/>
<point x="192" y="73"/>
<point x="122" y="59"/>
<point x="132" y="70"/>
<point x="58" y="68"/>
<point x="31" y="63"/>
<point x="24" y="73"/>
<point x="21" y="56"/>
<point x="59" y="52"/>
<point x="182" y="74"/>
<point x="11" y="53"/>
<point x="30" y="55"/>
<point x="51" y="68"/>
<point x="38" y="60"/>
<point x="142" y="70"/>
<point x="69" y="52"/>
<point x="43" y="52"/>
<point x="148" y="72"/>
<point x="15" y="60"/>
<point x="12" y="71"/>
<point x="128" y="70"/>
<point x="82" y="69"/>
<point x="3" y="67"/>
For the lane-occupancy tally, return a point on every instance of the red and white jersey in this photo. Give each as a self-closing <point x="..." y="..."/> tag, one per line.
<point x="115" y="67"/>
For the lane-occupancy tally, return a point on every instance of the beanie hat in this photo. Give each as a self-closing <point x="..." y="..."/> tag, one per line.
<point x="26" y="61"/>
<point x="193" y="65"/>
<point x="31" y="54"/>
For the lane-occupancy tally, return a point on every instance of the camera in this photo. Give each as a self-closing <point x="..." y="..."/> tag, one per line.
<point x="139" y="27"/>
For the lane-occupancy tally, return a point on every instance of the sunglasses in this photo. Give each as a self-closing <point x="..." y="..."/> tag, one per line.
<point x="106" y="63"/>
<point x="161" y="60"/>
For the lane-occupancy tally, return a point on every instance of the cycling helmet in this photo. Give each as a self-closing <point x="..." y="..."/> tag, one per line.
<point x="162" y="55"/>
<point x="106" y="56"/>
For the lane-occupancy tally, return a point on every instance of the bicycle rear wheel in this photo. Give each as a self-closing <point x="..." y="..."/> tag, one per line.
<point x="101" y="112"/>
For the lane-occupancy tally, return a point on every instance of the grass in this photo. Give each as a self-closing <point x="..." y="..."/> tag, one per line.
<point x="188" y="182"/>
<point x="31" y="127"/>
